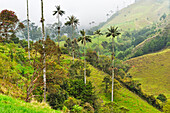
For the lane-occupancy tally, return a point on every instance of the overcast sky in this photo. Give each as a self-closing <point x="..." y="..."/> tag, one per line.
<point x="85" y="10"/>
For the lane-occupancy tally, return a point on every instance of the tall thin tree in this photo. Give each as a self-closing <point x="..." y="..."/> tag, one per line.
<point x="112" y="31"/>
<point x="98" y="32"/>
<point x="83" y="40"/>
<point x="28" y="32"/>
<point x="73" y="21"/>
<point x="59" y="13"/>
<point x="43" y="38"/>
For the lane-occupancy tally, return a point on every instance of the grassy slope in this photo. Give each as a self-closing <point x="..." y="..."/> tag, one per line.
<point x="123" y="96"/>
<point x="153" y="72"/>
<point x="10" y="89"/>
<point x="139" y="15"/>
<point x="11" y="105"/>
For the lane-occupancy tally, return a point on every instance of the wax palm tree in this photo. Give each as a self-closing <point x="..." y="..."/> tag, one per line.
<point x="43" y="38"/>
<point x="98" y="32"/>
<point x="59" y="13"/>
<point x="112" y="31"/>
<point x="28" y="32"/>
<point x="73" y="21"/>
<point x="83" y="40"/>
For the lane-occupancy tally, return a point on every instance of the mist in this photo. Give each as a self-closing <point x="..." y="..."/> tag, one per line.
<point x="85" y="10"/>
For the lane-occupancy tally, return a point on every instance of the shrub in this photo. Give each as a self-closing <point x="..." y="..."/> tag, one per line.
<point x="71" y="102"/>
<point x="162" y="97"/>
<point x="88" y="108"/>
<point x="77" y="109"/>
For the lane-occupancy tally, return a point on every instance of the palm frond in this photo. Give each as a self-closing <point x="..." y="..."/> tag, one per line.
<point x="55" y="12"/>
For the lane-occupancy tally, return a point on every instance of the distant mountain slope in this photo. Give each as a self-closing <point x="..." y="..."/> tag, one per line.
<point x="139" y="15"/>
<point x="153" y="72"/>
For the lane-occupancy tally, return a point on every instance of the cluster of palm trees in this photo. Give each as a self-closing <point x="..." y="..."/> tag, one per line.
<point x="73" y="22"/>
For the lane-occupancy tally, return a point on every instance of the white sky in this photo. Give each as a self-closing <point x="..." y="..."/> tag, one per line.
<point x="85" y="10"/>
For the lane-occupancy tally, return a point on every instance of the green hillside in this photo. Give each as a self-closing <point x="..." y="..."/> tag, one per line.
<point x="139" y="15"/>
<point x="11" y="105"/>
<point x="152" y="71"/>
<point x="123" y="96"/>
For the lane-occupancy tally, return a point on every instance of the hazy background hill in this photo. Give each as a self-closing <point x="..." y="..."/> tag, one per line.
<point x="139" y="15"/>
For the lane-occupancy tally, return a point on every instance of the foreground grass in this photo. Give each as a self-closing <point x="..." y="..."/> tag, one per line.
<point x="11" y="105"/>
<point x="152" y="70"/>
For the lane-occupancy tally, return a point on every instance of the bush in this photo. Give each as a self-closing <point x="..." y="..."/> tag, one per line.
<point x="77" y="109"/>
<point x="162" y="97"/>
<point x="56" y="99"/>
<point x="88" y="108"/>
<point x="72" y="102"/>
<point x="82" y="91"/>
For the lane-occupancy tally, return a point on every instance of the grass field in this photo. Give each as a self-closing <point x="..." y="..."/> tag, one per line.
<point x="123" y="96"/>
<point x="11" y="105"/>
<point x="153" y="72"/>
<point x="139" y="15"/>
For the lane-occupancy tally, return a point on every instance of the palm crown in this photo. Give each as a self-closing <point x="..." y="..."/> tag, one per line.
<point x="98" y="32"/>
<point x="84" y="38"/>
<point x="72" y="21"/>
<point x="112" y="31"/>
<point x="59" y="11"/>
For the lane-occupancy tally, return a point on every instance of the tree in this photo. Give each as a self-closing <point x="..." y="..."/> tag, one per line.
<point x="98" y="32"/>
<point x="35" y="79"/>
<point x="28" y="30"/>
<point x="43" y="38"/>
<point x="34" y="31"/>
<point x="59" y="13"/>
<point x="112" y="31"/>
<point x="73" y="21"/>
<point x="83" y="40"/>
<point x="9" y="24"/>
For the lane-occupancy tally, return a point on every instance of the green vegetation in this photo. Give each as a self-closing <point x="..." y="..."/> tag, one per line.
<point x="152" y="70"/>
<point x="138" y="15"/>
<point x="51" y="76"/>
<point x="11" y="105"/>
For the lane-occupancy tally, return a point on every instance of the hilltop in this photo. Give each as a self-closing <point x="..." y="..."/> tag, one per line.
<point x="139" y="15"/>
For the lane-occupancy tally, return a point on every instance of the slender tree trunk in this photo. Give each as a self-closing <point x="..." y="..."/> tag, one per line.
<point x="73" y="42"/>
<point x="28" y="31"/>
<point x="84" y="63"/>
<point x="112" y="68"/>
<point x="98" y="48"/>
<point x="58" y="31"/>
<point x="44" y="65"/>
<point x="58" y="38"/>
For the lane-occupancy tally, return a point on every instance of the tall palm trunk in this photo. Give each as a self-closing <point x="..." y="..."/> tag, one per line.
<point x="112" y="68"/>
<point x="98" y="48"/>
<point x="58" y="37"/>
<point x="73" y="42"/>
<point x="28" y="31"/>
<point x="58" y="31"/>
<point x="44" y="65"/>
<point x="84" y="62"/>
